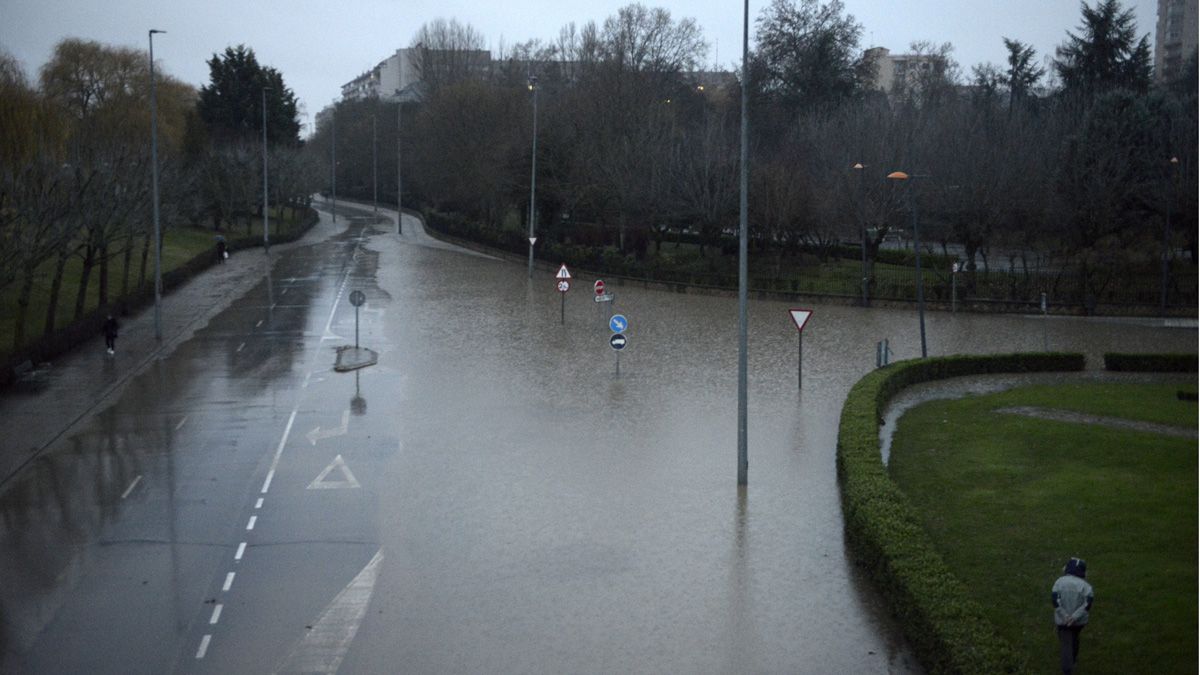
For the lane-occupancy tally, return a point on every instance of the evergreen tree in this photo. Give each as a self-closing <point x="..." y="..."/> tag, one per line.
<point x="231" y="105"/>
<point x="1106" y="54"/>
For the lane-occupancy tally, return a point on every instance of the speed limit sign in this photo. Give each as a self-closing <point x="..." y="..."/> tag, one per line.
<point x="564" y="286"/>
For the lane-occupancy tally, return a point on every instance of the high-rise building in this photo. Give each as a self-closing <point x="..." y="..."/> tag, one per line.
<point x="1174" y="38"/>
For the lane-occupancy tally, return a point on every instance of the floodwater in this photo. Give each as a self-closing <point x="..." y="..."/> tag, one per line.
<point x="490" y="497"/>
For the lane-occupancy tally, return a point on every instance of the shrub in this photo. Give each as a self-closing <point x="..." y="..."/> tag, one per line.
<point x="937" y="613"/>
<point x="1152" y="363"/>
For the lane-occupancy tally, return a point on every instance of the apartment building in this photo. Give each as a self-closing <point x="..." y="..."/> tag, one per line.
<point x="1174" y="38"/>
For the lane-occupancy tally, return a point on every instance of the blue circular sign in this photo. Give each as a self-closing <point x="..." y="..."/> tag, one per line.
<point x="618" y="323"/>
<point x="618" y="341"/>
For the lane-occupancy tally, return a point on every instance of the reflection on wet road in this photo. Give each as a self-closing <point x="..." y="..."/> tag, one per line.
<point x="489" y="497"/>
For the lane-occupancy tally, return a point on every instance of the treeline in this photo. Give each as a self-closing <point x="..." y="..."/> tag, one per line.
<point x="1076" y="160"/>
<point x="75" y="172"/>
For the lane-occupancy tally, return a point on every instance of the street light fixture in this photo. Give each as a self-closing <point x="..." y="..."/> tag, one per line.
<point x="912" y="207"/>
<point x="154" y="178"/>
<point x="533" y="81"/>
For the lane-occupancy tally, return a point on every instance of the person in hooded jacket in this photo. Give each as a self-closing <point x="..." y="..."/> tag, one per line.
<point x="1072" y="598"/>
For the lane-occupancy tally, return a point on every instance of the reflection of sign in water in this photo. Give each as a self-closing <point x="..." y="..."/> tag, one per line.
<point x="357" y="298"/>
<point x="618" y="341"/>
<point x="618" y="323"/>
<point x="564" y="286"/>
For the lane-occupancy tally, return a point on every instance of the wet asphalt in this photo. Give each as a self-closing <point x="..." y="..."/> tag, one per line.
<point x="489" y="497"/>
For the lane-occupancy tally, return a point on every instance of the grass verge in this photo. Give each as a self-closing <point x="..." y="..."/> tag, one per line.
<point x="1006" y="499"/>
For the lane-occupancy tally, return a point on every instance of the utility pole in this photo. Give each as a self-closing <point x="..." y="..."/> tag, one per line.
<point x="266" y="197"/>
<point x="533" y="81"/>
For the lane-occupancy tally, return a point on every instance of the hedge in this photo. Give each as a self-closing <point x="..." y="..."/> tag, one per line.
<point x="1152" y="363"/>
<point x="944" y="624"/>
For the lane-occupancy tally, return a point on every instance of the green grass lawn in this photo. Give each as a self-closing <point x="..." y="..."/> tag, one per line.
<point x="180" y="244"/>
<point x="1007" y="499"/>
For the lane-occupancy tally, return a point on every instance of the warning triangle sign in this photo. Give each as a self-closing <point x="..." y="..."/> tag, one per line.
<point x="563" y="273"/>
<point x="338" y="464"/>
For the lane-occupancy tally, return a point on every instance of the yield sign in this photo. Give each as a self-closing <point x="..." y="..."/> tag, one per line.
<point x="563" y="273"/>
<point x="532" y="241"/>
<point x="800" y="316"/>
<point x="338" y="464"/>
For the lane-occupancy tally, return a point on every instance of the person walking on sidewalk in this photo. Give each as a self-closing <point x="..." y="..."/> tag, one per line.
<point x="110" y="334"/>
<point x="222" y="250"/>
<point x="1072" y="598"/>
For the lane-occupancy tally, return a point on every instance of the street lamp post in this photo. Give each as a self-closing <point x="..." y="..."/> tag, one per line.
<point x="154" y="179"/>
<point x="743" y="247"/>
<point x="912" y="207"/>
<point x="266" y="194"/>
<point x="862" y="223"/>
<point x="400" y="184"/>
<point x="1166" y="257"/>
<point x="533" y="81"/>
<point x="374" y="161"/>
<point x="333" y="159"/>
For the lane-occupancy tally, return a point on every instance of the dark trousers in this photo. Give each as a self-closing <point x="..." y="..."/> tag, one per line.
<point x="1068" y="647"/>
<point x="110" y="341"/>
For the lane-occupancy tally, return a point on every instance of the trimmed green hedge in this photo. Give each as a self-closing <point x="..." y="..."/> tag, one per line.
<point x="937" y="612"/>
<point x="1152" y="363"/>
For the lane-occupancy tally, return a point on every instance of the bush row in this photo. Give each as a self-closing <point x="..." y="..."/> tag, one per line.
<point x="89" y="325"/>
<point x="944" y="624"/>
<point x="1152" y="363"/>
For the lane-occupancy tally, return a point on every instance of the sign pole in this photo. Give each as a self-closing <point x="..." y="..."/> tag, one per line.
<point x="562" y="309"/>
<point x="800" y="361"/>
<point x="356" y="327"/>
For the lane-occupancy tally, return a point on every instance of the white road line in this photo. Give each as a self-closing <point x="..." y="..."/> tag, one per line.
<point x="278" y="451"/>
<point x="203" y="646"/>
<point x="322" y="649"/>
<point x="284" y="292"/>
<point x="181" y="423"/>
<point x="216" y="616"/>
<point x="131" y="486"/>
<point x="228" y="582"/>
<point x="240" y="551"/>
<point x="241" y="347"/>
<point x="259" y="323"/>
<point x="259" y="503"/>
<point x="250" y="525"/>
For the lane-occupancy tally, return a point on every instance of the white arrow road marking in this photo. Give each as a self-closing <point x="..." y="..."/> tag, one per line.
<point x="318" y="435"/>
<point x="319" y="483"/>
<point x="322" y="649"/>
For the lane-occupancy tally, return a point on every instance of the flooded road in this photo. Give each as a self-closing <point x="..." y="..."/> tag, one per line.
<point x="490" y="497"/>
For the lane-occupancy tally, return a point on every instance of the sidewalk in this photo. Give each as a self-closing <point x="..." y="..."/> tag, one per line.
<point x="55" y="398"/>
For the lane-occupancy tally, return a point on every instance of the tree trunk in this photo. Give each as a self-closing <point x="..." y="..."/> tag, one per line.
<point x="126" y="263"/>
<point x="103" y="280"/>
<point x="55" y="291"/>
<point x="146" y="243"/>
<point x="89" y="261"/>
<point x="22" y="308"/>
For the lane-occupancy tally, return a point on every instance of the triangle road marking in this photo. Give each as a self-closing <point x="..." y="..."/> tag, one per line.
<point x="348" y="479"/>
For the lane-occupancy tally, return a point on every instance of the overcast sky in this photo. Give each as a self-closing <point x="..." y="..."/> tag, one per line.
<point x="319" y="45"/>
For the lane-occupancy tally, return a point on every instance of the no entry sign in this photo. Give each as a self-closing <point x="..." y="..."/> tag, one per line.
<point x="599" y="286"/>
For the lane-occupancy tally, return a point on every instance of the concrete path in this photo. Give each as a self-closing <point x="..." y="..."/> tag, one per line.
<point x="49" y="401"/>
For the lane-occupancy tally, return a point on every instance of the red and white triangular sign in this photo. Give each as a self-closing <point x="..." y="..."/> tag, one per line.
<point x="800" y="316"/>
<point x="563" y="273"/>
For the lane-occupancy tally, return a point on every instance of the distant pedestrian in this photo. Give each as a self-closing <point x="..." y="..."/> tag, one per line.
<point x="110" y="334"/>
<point x="222" y="250"/>
<point x="1072" y="598"/>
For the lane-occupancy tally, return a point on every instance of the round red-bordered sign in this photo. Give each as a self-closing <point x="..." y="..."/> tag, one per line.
<point x="599" y="286"/>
